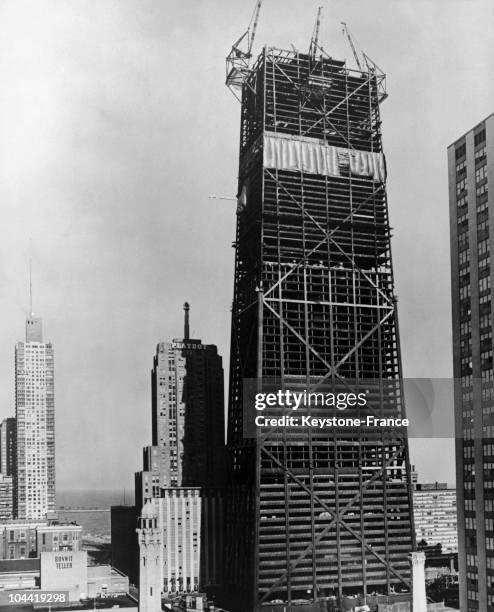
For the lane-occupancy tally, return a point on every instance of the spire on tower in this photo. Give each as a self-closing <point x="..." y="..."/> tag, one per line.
<point x="33" y="324"/>
<point x="31" y="313"/>
<point x="186" y="321"/>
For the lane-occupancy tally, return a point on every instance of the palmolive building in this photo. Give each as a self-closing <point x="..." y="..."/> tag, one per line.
<point x="184" y="467"/>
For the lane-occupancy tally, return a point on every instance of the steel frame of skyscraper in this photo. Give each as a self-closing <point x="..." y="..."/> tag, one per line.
<point x="313" y="515"/>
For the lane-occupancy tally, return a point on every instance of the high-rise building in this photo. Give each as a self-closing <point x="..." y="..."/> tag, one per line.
<point x="312" y="515"/>
<point x="188" y="411"/>
<point x="184" y="468"/>
<point x="8" y="446"/>
<point x="434" y="510"/>
<point x="34" y="477"/>
<point x="471" y="208"/>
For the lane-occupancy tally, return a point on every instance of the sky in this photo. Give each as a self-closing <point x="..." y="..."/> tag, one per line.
<point x="115" y="128"/>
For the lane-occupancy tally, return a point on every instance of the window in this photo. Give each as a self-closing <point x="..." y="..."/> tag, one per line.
<point x="481" y="190"/>
<point x="480" y="173"/>
<point x="479" y="138"/>
<point x="484" y="283"/>
<point x="460" y="151"/>
<point x="463" y="241"/>
<point x="463" y="257"/>
<point x="483" y="246"/>
<point x="480" y="155"/>
<point x="461" y="186"/>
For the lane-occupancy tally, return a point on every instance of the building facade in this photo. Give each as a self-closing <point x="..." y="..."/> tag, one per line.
<point x="124" y="545"/>
<point x="6" y="498"/>
<point x="184" y="468"/>
<point x="34" y="478"/>
<point x="434" y="509"/>
<point x="471" y="207"/>
<point x="309" y="515"/>
<point x="8" y="446"/>
<point x="187" y="413"/>
<point x="28" y="539"/>
<point x="179" y="516"/>
<point x="150" y="559"/>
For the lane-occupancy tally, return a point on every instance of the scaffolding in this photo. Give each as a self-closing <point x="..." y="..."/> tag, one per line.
<point x="314" y="516"/>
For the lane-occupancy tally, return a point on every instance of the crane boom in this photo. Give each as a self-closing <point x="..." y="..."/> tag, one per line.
<point x="350" y="40"/>
<point x="238" y="59"/>
<point x="315" y="35"/>
<point x="255" y="20"/>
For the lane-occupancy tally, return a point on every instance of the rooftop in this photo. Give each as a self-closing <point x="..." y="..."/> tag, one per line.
<point x="470" y="130"/>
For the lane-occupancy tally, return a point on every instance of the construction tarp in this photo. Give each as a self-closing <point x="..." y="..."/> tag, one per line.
<point x="311" y="155"/>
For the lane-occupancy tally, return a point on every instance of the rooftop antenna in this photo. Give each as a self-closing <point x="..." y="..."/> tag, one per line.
<point x="31" y="313"/>
<point x="238" y="60"/>
<point x="315" y="34"/>
<point x="186" y="321"/>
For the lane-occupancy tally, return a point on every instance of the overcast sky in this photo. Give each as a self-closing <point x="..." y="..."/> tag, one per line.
<point x="115" y="126"/>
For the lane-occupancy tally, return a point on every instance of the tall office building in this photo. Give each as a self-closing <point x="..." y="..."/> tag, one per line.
<point x="471" y="207"/>
<point x="313" y="515"/>
<point x="187" y="413"/>
<point x="8" y="446"/>
<point x="184" y="467"/>
<point x="34" y="477"/>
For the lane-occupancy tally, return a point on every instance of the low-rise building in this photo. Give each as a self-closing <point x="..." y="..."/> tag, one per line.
<point x="65" y="572"/>
<point x="28" y="539"/>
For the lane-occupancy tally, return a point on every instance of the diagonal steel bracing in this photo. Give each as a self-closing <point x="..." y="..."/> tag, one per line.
<point x="314" y="302"/>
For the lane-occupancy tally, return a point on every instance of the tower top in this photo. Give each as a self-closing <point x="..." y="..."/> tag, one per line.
<point x="34" y="329"/>
<point x="30" y="286"/>
<point x="186" y="321"/>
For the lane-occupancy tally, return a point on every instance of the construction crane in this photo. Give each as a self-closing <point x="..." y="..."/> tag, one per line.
<point x="350" y="40"/>
<point x="238" y="60"/>
<point x="370" y="66"/>
<point x="315" y="34"/>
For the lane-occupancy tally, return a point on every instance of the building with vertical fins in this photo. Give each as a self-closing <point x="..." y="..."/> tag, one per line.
<point x="312" y="516"/>
<point x="34" y="477"/>
<point x="471" y="208"/>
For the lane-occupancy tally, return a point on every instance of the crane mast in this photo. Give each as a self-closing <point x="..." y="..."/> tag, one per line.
<point x="238" y="59"/>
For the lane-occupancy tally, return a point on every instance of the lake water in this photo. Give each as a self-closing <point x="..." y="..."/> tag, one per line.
<point x="91" y="509"/>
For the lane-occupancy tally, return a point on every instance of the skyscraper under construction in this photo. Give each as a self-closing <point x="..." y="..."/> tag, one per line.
<point x="314" y="516"/>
